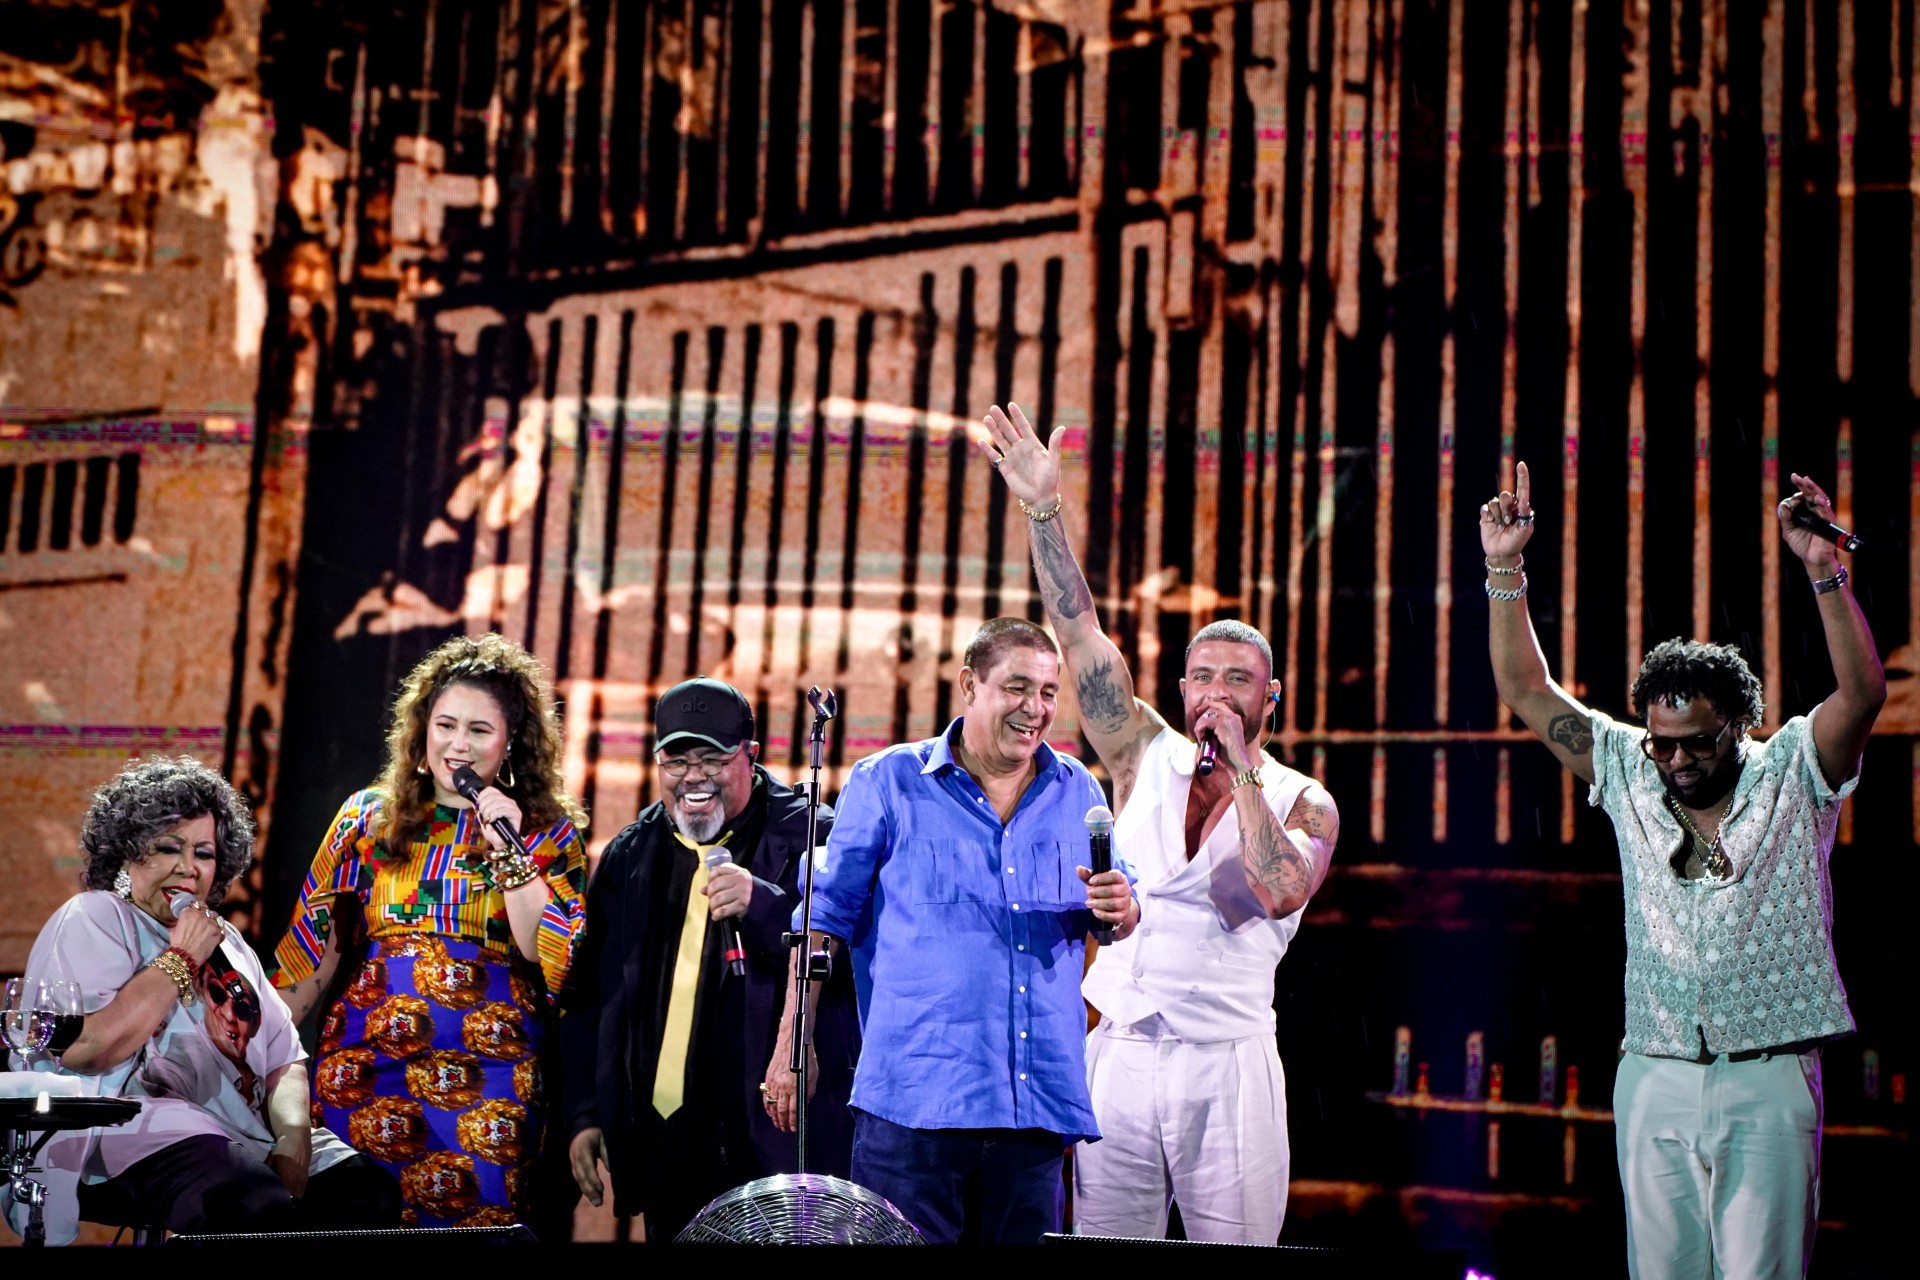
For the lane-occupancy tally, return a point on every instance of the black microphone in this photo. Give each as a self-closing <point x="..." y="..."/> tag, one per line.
<point x="735" y="951"/>
<point x="1100" y="853"/>
<point x="219" y="968"/>
<point x="1805" y="517"/>
<point x="1204" y="765"/>
<point x="468" y="784"/>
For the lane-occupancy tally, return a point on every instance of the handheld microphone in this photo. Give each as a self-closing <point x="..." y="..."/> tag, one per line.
<point x="468" y="784"/>
<point x="1099" y="822"/>
<point x="219" y="968"/>
<point x="733" y="949"/>
<point x="1204" y="765"/>
<point x="1805" y="517"/>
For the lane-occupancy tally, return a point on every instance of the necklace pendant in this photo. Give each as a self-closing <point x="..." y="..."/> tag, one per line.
<point x="1719" y="866"/>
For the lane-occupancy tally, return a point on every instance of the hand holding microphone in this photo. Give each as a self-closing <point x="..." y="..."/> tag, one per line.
<point x="729" y="888"/>
<point x="192" y="921"/>
<point x="1109" y="895"/>
<point x="502" y="818"/>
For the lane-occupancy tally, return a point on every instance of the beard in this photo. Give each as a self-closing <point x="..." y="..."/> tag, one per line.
<point x="1709" y="790"/>
<point x="700" y="827"/>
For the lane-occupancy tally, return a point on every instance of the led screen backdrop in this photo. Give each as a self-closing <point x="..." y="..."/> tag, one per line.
<point x="650" y="333"/>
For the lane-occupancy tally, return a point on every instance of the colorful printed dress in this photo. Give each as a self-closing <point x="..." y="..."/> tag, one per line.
<point x="430" y="1061"/>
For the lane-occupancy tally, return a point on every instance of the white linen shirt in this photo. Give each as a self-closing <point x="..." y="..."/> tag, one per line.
<point x="1736" y="964"/>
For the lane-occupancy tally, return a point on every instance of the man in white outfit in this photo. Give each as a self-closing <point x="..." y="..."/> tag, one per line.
<point x="1183" y="1068"/>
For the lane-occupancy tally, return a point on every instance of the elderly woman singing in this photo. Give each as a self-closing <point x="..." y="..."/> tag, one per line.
<point x="429" y="1055"/>
<point x="224" y="1140"/>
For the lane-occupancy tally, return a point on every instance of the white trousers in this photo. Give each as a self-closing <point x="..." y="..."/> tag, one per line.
<point x="1720" y="1163"/>
<point x="1201" y="1124"/>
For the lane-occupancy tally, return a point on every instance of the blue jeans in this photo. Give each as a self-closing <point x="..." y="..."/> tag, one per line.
<point x="988" y="1186"/>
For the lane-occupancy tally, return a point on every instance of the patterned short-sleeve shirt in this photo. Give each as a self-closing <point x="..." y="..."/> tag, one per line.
<point x="1744" y="962"/>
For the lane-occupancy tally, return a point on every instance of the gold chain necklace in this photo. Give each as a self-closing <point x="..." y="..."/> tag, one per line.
<point x="1713" y="855"/>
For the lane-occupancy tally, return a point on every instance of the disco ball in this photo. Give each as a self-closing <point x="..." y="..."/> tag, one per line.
<point x="803" y="1208"/>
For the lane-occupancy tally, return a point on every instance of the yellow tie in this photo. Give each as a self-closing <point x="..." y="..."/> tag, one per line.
<point x="670" y="1074"/>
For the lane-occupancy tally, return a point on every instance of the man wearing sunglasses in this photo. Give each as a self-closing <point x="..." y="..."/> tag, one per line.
<point x="666" y="1042"/>
<point x="1731" y="985"/>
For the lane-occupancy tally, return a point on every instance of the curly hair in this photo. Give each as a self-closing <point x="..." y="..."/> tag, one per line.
<point x="151" y="797"/>
<point x="519" y="683"/>
<point x="1679" y="670"/>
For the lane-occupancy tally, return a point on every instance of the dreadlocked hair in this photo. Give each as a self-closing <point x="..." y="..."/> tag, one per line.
<point x="517" y="681"/>
<point x="1677" y="671"/>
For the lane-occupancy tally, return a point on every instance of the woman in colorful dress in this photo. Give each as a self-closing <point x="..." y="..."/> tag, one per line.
<point x="430" y="1057"/>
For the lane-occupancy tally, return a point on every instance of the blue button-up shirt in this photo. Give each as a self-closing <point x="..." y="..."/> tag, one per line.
<point x="968" y="940"/>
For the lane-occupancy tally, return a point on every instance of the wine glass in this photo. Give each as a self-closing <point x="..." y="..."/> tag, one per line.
<point x="60" y="1001"/>
<point x="25" y="1023"/>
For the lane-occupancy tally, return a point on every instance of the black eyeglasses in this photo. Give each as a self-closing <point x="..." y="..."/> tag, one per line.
<point x="1697" y="746"/>
<point x="708" y="762"/>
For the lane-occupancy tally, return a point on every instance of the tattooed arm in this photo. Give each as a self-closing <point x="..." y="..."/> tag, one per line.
<point x="1286" y="862"/>
<point x="1118" y="724"/>
<point x="1519" y="667"/>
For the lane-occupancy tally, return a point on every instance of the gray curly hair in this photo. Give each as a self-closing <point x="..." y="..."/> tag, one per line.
<point x="153" y="796"/>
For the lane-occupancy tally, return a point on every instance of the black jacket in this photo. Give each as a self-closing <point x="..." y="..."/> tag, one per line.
<point x="613" y="1009"/>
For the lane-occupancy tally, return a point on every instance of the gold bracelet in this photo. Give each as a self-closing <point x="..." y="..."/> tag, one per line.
<point x="169" y="963"/>
<point x="1250" y="778"/>
<point x="514" y="872"/>
<point x="1041" y="517"/>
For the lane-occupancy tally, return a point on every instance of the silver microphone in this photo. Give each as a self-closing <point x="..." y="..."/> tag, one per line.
<point x="735" y="950"/>
<point x="1099" y="822"/>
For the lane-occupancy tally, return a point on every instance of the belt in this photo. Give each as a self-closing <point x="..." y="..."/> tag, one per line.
<point x="1795" y="1049"/>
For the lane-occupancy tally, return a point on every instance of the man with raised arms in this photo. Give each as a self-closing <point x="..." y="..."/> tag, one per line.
<point x="1731" y="985"/>
<point x="1183" y="1068"/>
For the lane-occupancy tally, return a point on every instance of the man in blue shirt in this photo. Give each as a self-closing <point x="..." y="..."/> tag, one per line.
<point x="955" y="875"/>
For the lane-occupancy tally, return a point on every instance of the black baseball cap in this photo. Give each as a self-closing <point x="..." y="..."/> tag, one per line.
<point x="704" y="710"/>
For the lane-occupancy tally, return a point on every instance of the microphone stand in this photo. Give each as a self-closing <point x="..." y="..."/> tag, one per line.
<point x="825" y="707"/>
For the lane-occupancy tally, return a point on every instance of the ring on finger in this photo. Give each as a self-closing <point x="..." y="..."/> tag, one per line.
<point x="1526" y="519"/>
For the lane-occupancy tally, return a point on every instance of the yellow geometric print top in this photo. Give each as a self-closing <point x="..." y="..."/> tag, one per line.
<point x="442" y="887"/>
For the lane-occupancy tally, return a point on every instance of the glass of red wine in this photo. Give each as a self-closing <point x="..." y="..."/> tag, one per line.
<point x="60" y="1000"/>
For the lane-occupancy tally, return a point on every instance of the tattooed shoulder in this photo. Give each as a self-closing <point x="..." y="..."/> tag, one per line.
<point x="1572" y="732"/>
<point x="1316" y="814"/>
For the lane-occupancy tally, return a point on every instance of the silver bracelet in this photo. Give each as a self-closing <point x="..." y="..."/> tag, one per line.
<point x="1519" y="562"/>
<point x="1821" y="586"/>
<point x="1509" y="593"/>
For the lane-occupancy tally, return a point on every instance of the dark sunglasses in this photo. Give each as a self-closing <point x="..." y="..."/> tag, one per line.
<point x="1698" y="746"/>
<point x="218" y="993"/>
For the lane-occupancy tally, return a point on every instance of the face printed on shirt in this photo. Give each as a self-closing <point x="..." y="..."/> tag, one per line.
<point x="233" y="1017"/>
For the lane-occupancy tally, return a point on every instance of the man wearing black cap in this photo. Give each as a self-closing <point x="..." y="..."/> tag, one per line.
<point x="665" y="1047"/>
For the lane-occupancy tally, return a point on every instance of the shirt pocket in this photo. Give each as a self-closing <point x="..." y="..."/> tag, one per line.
<point x="1052" y="881"/>
<point x="932" y="871"/>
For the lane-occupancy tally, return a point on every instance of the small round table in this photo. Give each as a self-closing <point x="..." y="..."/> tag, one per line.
<point x="22" y="1118"/>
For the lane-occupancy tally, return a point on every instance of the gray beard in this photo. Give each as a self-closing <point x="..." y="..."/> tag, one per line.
<point x="700" y="827"/>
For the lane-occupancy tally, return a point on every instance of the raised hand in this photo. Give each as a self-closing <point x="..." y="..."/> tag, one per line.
<point x="1819" y="555"/>
<point x="1507" y="522"/>
<point x="1031" y="469"/>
